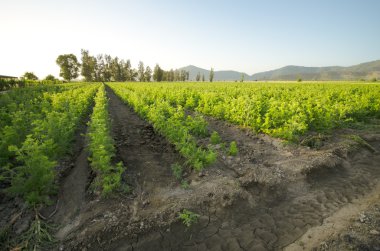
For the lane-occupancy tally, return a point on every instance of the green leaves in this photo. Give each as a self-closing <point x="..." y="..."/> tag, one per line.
<point x="38" y="135"/>
<point x="170" y="121"/>
<point x="101" y="146"/>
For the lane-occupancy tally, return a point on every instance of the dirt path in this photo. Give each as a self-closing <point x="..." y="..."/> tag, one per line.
<point x="72" y="195"/>
<point x="148" y="156"/>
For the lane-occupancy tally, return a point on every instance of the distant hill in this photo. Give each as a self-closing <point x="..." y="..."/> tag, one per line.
<point x="218" y="75"/>
<point x="367" y="71"/>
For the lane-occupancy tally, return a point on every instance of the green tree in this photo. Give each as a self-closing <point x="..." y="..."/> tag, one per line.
<point x="127" y="70"/>
<point x="198" y="77"/>
<point x="29" y="76"/>
<point x="148" y="74"/>
<point x="140" y="72"/>
<point x="158" y="73"/>
<point x="211" y="74"/>
<point x="88" y="66"/>
<point x="50" y="77"/>
<point x="203" y="77"/>
<point x="116" y="68"/>
<point x="242" y="77"/>
<point x="69" y="66"/>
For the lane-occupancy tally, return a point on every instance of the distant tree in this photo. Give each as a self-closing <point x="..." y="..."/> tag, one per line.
<point x="198" y="77"/>
<point x="148" y="74"/>
<point x="88" y="66"/>
<point x="127" y="70"/>
<point x="374" y="80"/>
<point x="211" y="77"/>
<point x="242" y="77"/>
<point x="158" y="73"/>
<point x="50" y="77"/>
<point x="140" y="72"/>
<point x="69" y="66"/>
<point x="203" y="77"/>
<point x="299" y="80"/>
<point x="29" y="76"/>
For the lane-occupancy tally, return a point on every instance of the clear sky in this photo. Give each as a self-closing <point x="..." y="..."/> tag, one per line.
<point x="249" y="36"/>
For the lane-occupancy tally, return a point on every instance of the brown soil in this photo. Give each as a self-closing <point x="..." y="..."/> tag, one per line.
<point x="270" y="196"/>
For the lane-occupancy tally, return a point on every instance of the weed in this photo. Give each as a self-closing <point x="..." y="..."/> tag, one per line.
<point x="185" y="184"/>
<point x="215" y="138"/>
<point x="188" y="218"/>
<point x="233" y="150"/>
<point x="177" y="171"/>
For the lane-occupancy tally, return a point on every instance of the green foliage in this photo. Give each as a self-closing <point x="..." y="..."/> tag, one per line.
<point x="233" y="150"/>
<point x="101" y="147"/>
<point x="34" y="180"/>
<point x="69" y="66"/>
<point x="215" y="138"/>
<point x="188" y="218"/>
<point x="197" y="125"/>
<point x="29" y="76"/>
<point x="170" y="121"/>
<point x="177" y="171"/>
<point x="185" y="184"/>
<point x="50" y="78"/>
<point x="35" y="133"/>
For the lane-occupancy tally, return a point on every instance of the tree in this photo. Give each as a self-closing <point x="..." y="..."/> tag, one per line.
<point x="88" y="66"/>
<point x="50" y="78"/>
<point x="29" y="76"/>
<point x="140" y="72"/>
<point x="203" y="77"/>
<point x="69" y="66"/>
<point x="158" y="73"/>
<point x="212" y="74"/>
<point x="127" y="71"/>
<point x="148" y="74"/>
<point x="116" y="69"/>
<point x="198" y="77"/>
<point x="242" y="77"/>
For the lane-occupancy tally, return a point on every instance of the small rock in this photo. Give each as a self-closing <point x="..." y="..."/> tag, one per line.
<point x="146" y="202"/>
<point x="201" y="174"/>
<point x="362" y="218"/>
<point x="374" y="232"/>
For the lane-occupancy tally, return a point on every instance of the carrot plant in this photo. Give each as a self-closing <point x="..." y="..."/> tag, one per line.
<point x="283" y="110"/>
<point x="52" y="128"/>
<point x="170" y="121"/>
<point x="101" y="146"/>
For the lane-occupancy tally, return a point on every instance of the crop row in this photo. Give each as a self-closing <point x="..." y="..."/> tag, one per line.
<point x="172" y="122"/>
<point x="101" y="146"/>
<point x="43" y="129"/>
<point x="281" y="110"/>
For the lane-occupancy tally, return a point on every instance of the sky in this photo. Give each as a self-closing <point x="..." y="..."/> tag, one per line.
<point x="249" y="36"/>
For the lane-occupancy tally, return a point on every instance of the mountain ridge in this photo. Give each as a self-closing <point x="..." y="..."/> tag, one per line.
<point x="367" y="71"/>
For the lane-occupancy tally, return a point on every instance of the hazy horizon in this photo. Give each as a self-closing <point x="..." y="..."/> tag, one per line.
<point x="246" y="36"/>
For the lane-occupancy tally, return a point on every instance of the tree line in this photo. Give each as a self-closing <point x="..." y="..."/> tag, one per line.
<point x="105" y="68"/>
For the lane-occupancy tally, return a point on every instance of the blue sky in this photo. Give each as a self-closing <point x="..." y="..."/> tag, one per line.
<point x="249" y="36"/>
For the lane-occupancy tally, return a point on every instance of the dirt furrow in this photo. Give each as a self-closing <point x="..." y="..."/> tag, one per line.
<point x="148" y="156"/>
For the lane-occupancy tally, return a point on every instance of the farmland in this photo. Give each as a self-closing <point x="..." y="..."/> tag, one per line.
<point x="184" y="165"/>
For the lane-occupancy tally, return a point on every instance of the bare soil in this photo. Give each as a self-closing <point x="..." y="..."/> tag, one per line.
<point x="271" y="196"/>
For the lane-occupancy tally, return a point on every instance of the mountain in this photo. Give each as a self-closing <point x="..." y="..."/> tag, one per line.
<point x="218" y="75"/>
<point x="367" y="71"/>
